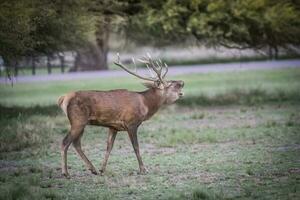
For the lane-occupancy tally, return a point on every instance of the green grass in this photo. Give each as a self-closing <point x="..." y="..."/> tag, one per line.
<point x="200" y="89"/>
<point x="204" y="147"/>
<point x="240" y="152"/>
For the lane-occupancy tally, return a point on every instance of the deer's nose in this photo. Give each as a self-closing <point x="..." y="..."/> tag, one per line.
<point x="181" y="94"/>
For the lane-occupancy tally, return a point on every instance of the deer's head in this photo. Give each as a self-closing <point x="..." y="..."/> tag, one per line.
<point x="171" y="90"/>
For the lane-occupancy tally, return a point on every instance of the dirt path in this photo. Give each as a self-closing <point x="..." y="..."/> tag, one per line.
<point x="176" y="70"/>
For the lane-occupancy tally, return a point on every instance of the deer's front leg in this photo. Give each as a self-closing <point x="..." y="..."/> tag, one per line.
<point x="110" y="142"/>
<point x="132" y="132"/>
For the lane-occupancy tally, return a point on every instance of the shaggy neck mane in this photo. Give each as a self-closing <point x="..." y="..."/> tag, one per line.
<point x="153" y="99"/>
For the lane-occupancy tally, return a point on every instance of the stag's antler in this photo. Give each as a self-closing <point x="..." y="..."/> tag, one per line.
<point x="156" y="66"/>
<point x="118" y="62"/>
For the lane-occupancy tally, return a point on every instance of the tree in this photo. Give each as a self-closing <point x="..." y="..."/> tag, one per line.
<point x="238" y="24"/>
<point x="14" y="30"/>
<point x="58" y="25"/>
<point x="109" y="16"/>
<point x="40" y="27"/>
<point x="92" y="55"/>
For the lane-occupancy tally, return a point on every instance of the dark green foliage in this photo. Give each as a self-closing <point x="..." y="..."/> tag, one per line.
<point x="16" y="191"/>
<point x="18" y="135"/>
<point x="15" y="29"/>
<point x="13" y="112"/>
<point x="57" y="25"/>
<point x="233" y="24"/>
<point x="199" y="194"/>
<point x="34" y="27"/>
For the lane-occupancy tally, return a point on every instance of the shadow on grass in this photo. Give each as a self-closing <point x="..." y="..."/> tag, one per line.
<point x="19" y="130"/>
<point x="200" y="193"/>
<point x="17" y="111"/>
<point x="241" y="97"/>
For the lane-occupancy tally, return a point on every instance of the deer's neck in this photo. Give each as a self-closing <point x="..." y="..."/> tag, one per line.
<point x="153" y="100"/>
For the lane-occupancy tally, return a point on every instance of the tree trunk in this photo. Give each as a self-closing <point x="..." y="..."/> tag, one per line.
<point x="11" y="66"/>
<point x="276" y="53"/>
<point x="270" y="53"/>
<point x="102" y="37"/>
<point x="33" y="64"/>
<point x="62" y="62"/>
<point x="94" y="56"/>
<point x="16" y="68"/>
<point x="49" y="67"/>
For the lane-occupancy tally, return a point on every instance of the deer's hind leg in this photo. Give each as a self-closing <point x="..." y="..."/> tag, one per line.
<point x="74" y="137"/>
<point x="78" y="117"/>
<point x="77" y="146"/>
<point x="64" y="149"/>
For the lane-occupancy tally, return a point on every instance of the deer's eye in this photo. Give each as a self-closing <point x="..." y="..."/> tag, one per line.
<point x="177" y="86"/>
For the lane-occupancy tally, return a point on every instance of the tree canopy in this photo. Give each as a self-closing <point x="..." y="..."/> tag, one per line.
<point x="33" y="27"/>
<point x="230" y="23"/>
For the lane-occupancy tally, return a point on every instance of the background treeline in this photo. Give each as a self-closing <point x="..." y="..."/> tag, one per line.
<point x="32" y="28"/>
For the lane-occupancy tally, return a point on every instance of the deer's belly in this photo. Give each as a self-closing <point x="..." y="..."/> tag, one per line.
<point x="117" y="125"/>
<point x="118" y="120"/>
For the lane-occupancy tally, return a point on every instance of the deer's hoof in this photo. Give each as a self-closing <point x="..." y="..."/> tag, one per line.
<point x="101" y="172"/>
<point x="143" y="171"/>
<point x="66" y="175"/>
<point x="94" y="171"/>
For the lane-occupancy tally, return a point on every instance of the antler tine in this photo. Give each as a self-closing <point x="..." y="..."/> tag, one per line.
<point x="149" y="69"/>
<point x="150" y="64"/>
<point x="164" y="65"/>
<point x="149" y="55"/>
<point x="135" y="67"/>
<point x="155" y="69"/>
<point x="144" y="61"/>
<point x="156" y="66"/>
<point x="118" y="57"/>
<point x="118" y="63"/>
<point x="167" y="69"/>
<point x="160" y="62"/>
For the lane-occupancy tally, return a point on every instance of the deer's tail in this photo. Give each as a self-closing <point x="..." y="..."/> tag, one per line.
<point x="61" y="102"/>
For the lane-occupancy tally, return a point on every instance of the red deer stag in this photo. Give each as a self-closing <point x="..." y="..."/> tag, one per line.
<point x="118" y="110"/>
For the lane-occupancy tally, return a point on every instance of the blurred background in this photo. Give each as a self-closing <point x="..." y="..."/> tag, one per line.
<point x="39" y="37"/>
<point x="235" y="134"/>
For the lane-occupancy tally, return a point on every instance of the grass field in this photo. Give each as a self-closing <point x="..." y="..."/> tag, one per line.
<point x="234" y="136"/>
